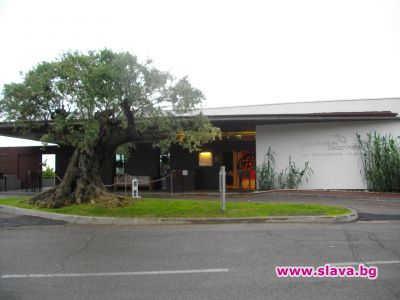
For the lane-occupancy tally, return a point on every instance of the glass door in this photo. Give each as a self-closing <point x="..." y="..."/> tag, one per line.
<point x="245" y="176"/>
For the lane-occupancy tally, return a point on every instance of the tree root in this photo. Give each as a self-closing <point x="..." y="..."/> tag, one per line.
<point x="54" y="198"/>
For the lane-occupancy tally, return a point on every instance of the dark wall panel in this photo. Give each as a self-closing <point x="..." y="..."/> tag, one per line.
<point x="19" y="160"/>
<point x="7" y="165"/>
<point x="206" y="177"/>
<point x="183" y="159"/>
<point x="28" y="163"/>
<point x="145" y="161"/>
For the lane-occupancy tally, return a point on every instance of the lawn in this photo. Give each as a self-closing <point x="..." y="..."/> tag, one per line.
<point x="170" y="208"/>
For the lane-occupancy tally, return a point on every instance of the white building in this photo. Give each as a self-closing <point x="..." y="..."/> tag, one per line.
<point x="322" y="133"/>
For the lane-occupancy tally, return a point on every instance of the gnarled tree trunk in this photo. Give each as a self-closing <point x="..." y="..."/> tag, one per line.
<point x="82" y="181"/>
<point x="81" y="184"/>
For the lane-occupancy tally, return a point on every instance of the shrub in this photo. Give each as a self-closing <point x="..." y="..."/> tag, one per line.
<point x="292" y="176"/>
<point x="289" y="178"/>
<point x="380" y="156"/>
<point x="48" y="172"/>
<point x="266" y="172"/>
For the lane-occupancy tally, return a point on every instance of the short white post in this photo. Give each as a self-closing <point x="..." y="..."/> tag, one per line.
<point x="126" y="185"/>
<point x="172" y="183"/>
<point x="135" y="188"/>
<point x="222" y="186"/>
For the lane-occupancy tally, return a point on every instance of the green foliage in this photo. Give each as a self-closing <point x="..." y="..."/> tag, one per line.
<point x="292" y="176"/>
<point x="266" y="172"/>
<point x="380" y="157"/>
<point x="79" y="99"/>
<point x="47" y="171"/>
<point x="289" y="178"/>
<point x="126" y="149"/>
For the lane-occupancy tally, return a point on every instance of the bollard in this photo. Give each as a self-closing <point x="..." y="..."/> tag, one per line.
<point x="126" y="185"/>
<point x="135" y="188"/>
<point x="222" y="186"/>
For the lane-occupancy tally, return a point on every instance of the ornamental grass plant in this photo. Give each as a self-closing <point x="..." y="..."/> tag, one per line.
<point x="380" y="156"/>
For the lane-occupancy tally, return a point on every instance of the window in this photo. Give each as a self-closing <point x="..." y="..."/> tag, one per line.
<point x="205" y="159"/>
<point x="119" y="164"/>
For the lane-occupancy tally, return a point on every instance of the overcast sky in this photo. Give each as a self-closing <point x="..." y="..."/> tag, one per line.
<point x="236" y="52"/>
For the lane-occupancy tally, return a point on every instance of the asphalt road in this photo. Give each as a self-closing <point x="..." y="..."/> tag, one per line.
<point x="12" y="220"/>
<point x="218" y="261"/>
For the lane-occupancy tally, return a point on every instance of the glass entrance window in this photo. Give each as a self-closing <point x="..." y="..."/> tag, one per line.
<point x="245" y="163"/>
<point x="240" y="169"/>
<point x="119" y="164"/>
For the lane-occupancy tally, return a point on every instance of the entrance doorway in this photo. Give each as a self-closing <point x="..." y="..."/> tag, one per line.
<point x="227" y="161"/>
<point x="240" y="169"/>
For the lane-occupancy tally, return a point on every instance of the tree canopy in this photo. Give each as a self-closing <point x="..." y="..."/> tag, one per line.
<point x="82" y="98"/>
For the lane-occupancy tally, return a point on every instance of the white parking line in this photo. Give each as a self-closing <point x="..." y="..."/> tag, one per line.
<point x="378" y="262"/>
<point x="7" y="276"/>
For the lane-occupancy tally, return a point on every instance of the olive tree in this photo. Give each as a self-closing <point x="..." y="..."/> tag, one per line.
<point x="96" y="102"/>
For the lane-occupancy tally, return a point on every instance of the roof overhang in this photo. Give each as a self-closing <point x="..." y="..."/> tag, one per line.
<point x="242" y="122"/>
<point x="339" y="116"/>
<point x="249" y="122"/>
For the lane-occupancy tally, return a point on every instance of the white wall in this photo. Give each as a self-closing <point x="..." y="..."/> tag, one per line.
<point x="331" y="149"/>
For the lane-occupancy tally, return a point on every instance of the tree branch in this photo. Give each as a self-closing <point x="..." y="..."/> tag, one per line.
<point x="129" y="115"/>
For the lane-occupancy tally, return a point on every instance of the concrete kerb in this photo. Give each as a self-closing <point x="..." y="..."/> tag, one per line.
<point x="277" y="194"/>
<point x="352" y="216"/>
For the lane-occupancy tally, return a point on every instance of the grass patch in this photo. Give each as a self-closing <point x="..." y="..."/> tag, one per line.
<point x="169" y="208"/>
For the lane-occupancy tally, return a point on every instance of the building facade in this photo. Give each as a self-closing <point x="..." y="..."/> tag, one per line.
<point x="320" y="133"/>
<point x="324" y="134"/>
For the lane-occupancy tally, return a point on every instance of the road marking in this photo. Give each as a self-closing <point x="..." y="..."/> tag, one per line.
<point x="378" y="262"/>
<point x="7" y="276"/>
<point x="380" y="222"/>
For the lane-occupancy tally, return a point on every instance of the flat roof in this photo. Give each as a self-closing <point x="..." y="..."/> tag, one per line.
<point x="247" y="117"/>
<point x="388" y="105"/>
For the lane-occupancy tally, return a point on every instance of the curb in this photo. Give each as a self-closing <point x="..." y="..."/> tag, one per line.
<point x="178" y="221"/>
<point x="333" y="194"/>
<point x="365" y="195"/>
